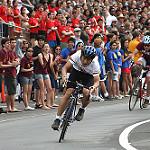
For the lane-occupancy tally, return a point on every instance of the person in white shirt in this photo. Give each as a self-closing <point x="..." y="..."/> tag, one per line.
<point x="86" y="69"/>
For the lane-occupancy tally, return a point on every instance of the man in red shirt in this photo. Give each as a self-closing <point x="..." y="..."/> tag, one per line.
<point x="41" y="17"/>
<point x="51" y="6"/>
<point x="97" y="12"/>
<point x="75" y="20"/>
<point x="9" y="62"/>
<point x="65" y="33"/>
<point x="51" y="31"/>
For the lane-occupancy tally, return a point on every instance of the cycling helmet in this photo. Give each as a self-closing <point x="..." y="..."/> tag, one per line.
<point x="88" y="52"/>
<point x="146" y="39"/>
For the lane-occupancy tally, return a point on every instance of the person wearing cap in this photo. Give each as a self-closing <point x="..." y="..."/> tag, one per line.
<point x="120" y="20"/>
<point x="113" y="25"/>
<point x="77" y="35"/>
<point x="65" y="33"/>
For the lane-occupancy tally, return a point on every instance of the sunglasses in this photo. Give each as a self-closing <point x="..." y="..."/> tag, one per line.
<point x="68" y="3"/>
<point x="147" y="45"/>
<point x="58" y="49"/>
<point x="25" y="43"/>
<point x="80" y="45"/>
<point x="30" y="51"/>
<point x="64" y="20"/>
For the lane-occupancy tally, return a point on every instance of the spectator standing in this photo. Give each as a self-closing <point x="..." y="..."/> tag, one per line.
<point x="126" y="72"/>
<point x="37" y="50"/>
<point x="113" y="69"/>
<point x="10" y="19"/>
<point x="9" y="62"/>
<point x="33" y="25"/>
<point x="16" y="17"/>
<point x="42" y="77"/>
<point x="26" y="77"/>
<point x="51" y="31"/>
<point x="75" y="19"/>
<point x="25" y="23"/>
<point x="65" y="32"/>
<point x="41" y="17"/>
<point x="133" y="43"/>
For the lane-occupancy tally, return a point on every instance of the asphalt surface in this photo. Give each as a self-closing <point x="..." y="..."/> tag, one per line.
<point x="99" y="130"/>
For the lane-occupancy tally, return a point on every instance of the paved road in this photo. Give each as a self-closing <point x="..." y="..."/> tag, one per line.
<point x="100" y="130"/>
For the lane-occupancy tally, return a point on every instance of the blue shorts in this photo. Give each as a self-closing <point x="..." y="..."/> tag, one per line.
<point x="36" y="86"/>
<point x="52" y="43"/>
<point x="41" y="76"/>
<point x="53" y="82"/>
<point x="102" y="74"/>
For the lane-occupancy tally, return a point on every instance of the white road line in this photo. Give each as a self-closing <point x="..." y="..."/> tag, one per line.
<point x="123" y="138"/>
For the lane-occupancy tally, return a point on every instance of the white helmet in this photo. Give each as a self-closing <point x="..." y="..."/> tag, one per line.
<point x="146" y="39"/>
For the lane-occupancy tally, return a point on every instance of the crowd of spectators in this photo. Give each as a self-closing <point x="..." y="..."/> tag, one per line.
<point x="56" y="29"/>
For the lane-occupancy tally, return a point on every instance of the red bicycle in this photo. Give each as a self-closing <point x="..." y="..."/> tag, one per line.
<point x="139" y="87"/>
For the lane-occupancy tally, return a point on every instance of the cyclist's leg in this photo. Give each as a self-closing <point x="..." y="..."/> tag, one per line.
<point x="85" y="100"/>
<point x="142" y="61"/>
<point x="64" y="101"/>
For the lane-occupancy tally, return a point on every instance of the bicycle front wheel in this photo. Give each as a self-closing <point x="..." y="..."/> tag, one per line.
<point x="66" y="119"/>
<point x="134" y="94"/>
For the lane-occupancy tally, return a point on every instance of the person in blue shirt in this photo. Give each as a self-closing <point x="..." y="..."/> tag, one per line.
<point x="112" y="69"/>
<point x="99" y="52"/>
<point x="125" y="69"/>
<point x="65" y="52"/>
<point x="117" y="51"/>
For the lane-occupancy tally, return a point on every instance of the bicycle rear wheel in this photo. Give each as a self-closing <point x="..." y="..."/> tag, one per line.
<point x="66" y="119"/>
<point x="134" y="94"/>
<point x="143" y="97"/>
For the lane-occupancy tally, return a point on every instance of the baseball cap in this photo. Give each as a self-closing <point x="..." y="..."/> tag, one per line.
<point x="77" y="29"/>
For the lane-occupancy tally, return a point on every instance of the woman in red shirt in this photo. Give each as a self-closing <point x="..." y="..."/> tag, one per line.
<point x="10" y="16"/>
<point x="33" y="25"/>
<point x="3" y="17"/>
<point x="16" y="19"/>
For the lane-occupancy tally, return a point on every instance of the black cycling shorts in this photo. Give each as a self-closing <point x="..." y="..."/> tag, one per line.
<point x="83" y="78"/>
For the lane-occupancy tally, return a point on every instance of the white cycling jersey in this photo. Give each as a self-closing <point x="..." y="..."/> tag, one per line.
<point x="93" y="68"/>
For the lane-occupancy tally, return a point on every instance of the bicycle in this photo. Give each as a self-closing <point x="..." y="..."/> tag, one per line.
<point x="69" y="115"/>
<point x="139" y="88"/>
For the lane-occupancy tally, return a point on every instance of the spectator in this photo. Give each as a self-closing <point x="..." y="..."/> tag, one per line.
<point x="8" y="61"/>
<point x="3" y="17"/>
<point x="42" y="77"/>
<point x="51" y="31"/>
<point x="10" y="16"/>
<point x="41" y="17"/>
<point x="75" y="19"/>
<point x="26" y="77"/>
<point x="64" y="53"/>
<point x="25" y="24"/>
<point x="33" y="25"/>
<point x="126" y="72"/>
<point x="16" y="17"/>
<point x="113" y="69"/>
<point x="37" y="50"/>
<point x="56" y="64"/>
<point x="65" y="32"/>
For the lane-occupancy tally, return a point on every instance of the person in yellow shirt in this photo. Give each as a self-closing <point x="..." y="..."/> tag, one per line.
<point x="133" y="43"/>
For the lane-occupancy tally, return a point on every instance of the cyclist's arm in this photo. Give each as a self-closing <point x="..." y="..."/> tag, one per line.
<point x="67" y="66"/>
<point x="134" y="54"/>
<point x="96" y="81"/>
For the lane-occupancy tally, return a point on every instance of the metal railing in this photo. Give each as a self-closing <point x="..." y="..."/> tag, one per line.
<point x="2" y="31"/>
<point x="26" y="5"/>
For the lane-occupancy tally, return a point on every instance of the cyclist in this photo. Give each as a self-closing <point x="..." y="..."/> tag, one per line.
<point x="85" y="69"/>
<point x="144" y="47"/>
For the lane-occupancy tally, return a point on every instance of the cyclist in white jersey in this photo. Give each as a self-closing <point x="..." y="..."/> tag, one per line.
<point x="85" y="69"/>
